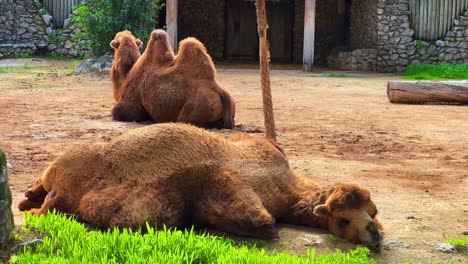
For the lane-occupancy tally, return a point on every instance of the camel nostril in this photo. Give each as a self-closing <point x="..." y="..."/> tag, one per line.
<point x="371" y="227"/>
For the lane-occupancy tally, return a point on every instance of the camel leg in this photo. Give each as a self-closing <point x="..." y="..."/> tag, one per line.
<point x="229" y="209"/>
<point x="34" y="197"/>
<point x="131" y="206"/>
<point x="129" y="113"/>
<point x="201" y="109"/>
<point x="52" y="201"/>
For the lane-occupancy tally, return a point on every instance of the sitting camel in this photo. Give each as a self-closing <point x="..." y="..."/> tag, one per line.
<point x="180" y="175"/>
<point x="168" y="88"/>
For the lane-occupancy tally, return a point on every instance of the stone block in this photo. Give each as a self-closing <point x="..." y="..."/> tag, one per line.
<point x="6" y="215"/>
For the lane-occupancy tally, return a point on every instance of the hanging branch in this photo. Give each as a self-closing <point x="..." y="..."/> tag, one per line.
<point x="265" y="70"/>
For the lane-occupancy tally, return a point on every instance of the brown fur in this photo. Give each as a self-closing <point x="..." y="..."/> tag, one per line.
<point x="170" y="88"/>
<point x="127" y="52"/>
<point x="180" y="175"/>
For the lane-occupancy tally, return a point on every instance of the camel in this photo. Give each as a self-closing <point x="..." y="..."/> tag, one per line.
<point x="180" y="175"/>
<point x="169" y="88"/>
<point x="127" y="51"/>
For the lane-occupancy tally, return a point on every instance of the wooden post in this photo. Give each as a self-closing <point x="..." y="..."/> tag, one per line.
<point x="265" y="70"/>
<point x="171" y="23"/>
<point x="309" y="34"/>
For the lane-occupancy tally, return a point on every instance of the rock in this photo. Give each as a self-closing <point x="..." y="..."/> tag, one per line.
<point x="68" y="44"/>
<point x="432" y="50"/>
<point x="403" y="7"/>
<point x="465" y="233"/>
<point x="33" y="244"/>
<point x="49" y="30"/>
<point x="451" y="34"/>
<point x="446" y="248"/>
<point x="6" y="215"/>
<point x="47" y="19"/>
<point x="66" y="23"/>
<point x="441" y="43"/>
<point x="312" y="241"/>
<point x="102" y="64"/>
<point x="405" y="39"/>
<point x="52" y="47"/>
<point x="393" y="244"/>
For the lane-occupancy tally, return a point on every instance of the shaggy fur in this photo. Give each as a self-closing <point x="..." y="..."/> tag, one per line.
<point x="174" y="89"/>
<point x="180" y="175"/>
<point x="127" y="52"/>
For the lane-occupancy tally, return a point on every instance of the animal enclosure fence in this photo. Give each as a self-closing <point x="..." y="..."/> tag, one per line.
<point x="431" y="19"/>
<point x="59" y="9"/>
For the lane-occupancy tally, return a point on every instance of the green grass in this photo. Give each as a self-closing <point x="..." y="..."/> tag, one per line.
<point x="459" y="242"/>
<point x="337" y="75"/>
<point x="18" y="69"/>
<point x="67" y="241"/>
<point x="438" y="72"/>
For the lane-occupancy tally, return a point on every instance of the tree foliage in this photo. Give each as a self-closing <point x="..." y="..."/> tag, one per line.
<point x="100" y="20"/>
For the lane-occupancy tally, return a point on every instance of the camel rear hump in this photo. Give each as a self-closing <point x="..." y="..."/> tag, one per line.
<point x="194" y="59"/>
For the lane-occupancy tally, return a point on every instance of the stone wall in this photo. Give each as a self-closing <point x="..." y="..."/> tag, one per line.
<point x="205" y="21"/>
<point x="397" y="48"/>
<point x="394" y="45"/>
<point x="26" y="28"/>
<point x="363" y="24"/>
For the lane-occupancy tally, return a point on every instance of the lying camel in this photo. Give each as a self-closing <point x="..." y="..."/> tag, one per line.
<point x="167" y="88"/>
<point x="127" y="51"/>
<point x="180" y="175"/>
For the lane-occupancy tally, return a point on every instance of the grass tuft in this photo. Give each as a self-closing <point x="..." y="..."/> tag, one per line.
<point x="459" y="242"/>
<point x="67" y="241"/>
<point x="439" y="72"/>
<point x="337" y="75"/>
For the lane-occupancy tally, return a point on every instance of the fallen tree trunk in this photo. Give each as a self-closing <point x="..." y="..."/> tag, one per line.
<point x="450" y="92"/>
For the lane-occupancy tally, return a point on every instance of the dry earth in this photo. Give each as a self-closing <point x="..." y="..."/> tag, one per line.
<point x="413" y="158"/>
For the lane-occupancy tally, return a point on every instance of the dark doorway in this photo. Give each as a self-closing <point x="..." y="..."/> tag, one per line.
<point x="241" y="29"/>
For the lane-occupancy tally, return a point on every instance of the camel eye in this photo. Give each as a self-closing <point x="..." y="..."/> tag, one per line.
<point x="343" y="222"/>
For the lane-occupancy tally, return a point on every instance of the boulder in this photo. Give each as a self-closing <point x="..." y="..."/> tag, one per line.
<point x="6" y="214"/>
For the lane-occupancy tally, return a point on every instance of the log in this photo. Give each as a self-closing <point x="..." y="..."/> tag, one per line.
<point x="449" y="92"/>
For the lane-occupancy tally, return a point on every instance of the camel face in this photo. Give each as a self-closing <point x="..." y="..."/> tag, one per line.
<point x="125" y="37"/>
<point x="351" y="215"/>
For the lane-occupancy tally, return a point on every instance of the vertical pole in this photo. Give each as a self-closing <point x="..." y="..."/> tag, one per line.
<point x="171" y="23"/>
<point x="265" y="70"/>
<point x="309" y="34"/>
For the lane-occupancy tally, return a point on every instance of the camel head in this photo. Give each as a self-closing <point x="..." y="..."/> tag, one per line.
<point x="351" y="214"/>
<point x="125" y="38"/>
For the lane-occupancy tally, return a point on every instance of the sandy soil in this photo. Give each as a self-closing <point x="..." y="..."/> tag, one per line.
<point x="413" y="158"/>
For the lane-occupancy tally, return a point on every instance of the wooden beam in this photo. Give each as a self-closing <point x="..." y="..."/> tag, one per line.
<point x="171" y="22"/>
<point x="309" y="34"/>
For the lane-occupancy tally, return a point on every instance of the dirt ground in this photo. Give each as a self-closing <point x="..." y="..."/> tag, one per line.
<point x="413" y="158"/>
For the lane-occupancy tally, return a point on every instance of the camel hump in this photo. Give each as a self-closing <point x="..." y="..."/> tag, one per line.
<point x="159" y="35"/>
<point x="158" y="51"/>
<point x="194" y="59"/>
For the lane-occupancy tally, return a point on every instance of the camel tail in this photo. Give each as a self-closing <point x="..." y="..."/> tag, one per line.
<point x="227" y="112"/>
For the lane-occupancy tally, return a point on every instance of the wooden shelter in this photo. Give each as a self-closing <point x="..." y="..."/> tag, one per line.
<point x="241" y="39"/>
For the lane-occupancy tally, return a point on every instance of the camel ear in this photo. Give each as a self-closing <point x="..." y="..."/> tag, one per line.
<point x="321" y="210"/>
<point x="114" y="44"/>
<point x="139" y="43"/>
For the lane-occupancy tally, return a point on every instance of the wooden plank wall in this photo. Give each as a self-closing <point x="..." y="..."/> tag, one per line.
<point x="431" y="19"/>
<point x="59" y="10"/>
